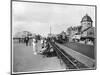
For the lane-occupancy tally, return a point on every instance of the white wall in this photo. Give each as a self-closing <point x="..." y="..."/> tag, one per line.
<point x="5" y="37"/>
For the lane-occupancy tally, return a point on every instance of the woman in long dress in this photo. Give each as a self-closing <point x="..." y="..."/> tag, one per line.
<point x="34" y="47"/>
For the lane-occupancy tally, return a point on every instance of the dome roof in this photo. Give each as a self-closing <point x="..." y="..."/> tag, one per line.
<point x="86" y="18"/>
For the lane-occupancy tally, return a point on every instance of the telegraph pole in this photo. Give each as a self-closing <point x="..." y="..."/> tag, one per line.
<point x="50" y="29"/>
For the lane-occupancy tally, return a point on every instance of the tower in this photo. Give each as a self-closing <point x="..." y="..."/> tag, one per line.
<point x="86" y="22"/>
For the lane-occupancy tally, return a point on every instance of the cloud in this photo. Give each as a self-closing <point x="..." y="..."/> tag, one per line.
<point x="37" y="17"/>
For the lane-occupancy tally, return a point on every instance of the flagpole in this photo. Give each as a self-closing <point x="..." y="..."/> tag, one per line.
<point x="50" y="29"/>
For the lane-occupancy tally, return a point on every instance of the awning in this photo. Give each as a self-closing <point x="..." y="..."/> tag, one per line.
<point x="91" y="38"/>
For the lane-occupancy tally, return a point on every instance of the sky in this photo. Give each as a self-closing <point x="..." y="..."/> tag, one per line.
<point x="38" y="17"/>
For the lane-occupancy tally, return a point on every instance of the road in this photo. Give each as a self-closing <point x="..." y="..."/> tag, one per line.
<point x="68" y="59"/>
<point x="85" y="61"/>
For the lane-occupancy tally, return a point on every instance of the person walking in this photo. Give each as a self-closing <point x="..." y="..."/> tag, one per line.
<point x="34" y="46"/>
<point x="26" y="40"/>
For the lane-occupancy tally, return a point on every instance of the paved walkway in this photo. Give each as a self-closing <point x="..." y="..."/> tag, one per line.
<point x="78" y="56"/>
<point x="25" y="61"/>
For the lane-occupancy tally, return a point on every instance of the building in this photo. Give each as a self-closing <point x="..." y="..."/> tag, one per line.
<point x="87" y="30"/>
<point x="74" y="33"/>
<point x="84" y="32"/>
<point x="86" y="22"/>
<point x="24" y="34"/>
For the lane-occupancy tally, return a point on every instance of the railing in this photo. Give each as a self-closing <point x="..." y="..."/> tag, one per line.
<point x="69" y="61"/>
